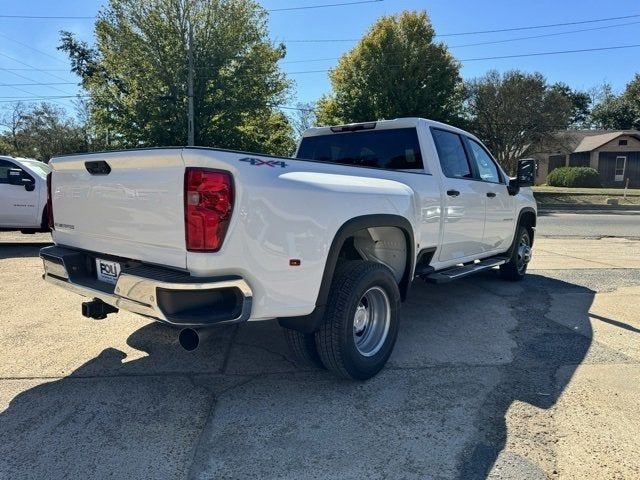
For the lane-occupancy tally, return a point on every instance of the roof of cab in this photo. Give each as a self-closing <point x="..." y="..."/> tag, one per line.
<point x="408" y="122"/>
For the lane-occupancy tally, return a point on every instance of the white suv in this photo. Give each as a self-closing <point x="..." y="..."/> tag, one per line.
<point x="23" y="194"/>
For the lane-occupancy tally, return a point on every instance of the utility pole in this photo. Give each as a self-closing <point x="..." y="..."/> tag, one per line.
<point x="190" y="114"/>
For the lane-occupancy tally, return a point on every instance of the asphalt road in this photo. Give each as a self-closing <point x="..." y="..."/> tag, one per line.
<point x="585" y="225"/>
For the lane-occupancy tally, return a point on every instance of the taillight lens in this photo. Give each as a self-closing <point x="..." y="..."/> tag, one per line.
<point x="208" y="203"/>
<point x="49" y="202"/>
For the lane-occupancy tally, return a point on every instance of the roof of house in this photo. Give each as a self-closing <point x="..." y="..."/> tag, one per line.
<point x="590" y="143"/>
<point x="575" y="141"/>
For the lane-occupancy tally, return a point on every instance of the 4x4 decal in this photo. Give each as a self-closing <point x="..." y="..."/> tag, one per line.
<point x="257" y="162"/>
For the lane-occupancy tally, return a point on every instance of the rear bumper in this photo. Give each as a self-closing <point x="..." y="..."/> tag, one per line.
<point x="164" y="294"/>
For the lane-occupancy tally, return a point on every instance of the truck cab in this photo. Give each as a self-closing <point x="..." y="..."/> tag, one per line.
<point x="465" y="204"/>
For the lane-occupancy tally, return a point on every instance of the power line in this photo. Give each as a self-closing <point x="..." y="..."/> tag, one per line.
<point x="322" y="40"/>
<point x="533" y="27"/>
<point x="312" y="60"/>
<point x="328" y="5"/>
<point x="480" y="32"/>
<point x="544" y="35"/>
<point x="285" y="9"/>
<point x="31" y="66"/>
<point x="42" y="97"/>
<point x="41" y="52"/>
<point x="535" y="54"/>
<point x="34" y="69"/>
<point x="559" y="52"/>
<point x="35" y="84"/>
<point x="48" y="17"/>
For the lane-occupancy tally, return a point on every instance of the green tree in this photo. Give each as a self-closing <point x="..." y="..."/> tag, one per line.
<point x="580" y="103"/>
<point x="40" y="131"/>
<point x="303" y="118"/>
<point x="618" y="112"/>
<point x="513" y="112"/>
<point x="136" y="76"/>
<point x="396" y="70"/>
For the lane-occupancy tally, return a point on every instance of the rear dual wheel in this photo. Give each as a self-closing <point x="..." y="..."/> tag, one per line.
<point x="360" y="325"/>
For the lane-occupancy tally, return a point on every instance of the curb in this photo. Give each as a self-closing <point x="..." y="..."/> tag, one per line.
<point x="629" y="209"/>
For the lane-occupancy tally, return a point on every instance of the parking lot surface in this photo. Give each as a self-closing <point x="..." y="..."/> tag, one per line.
<point x="489" y="379"/>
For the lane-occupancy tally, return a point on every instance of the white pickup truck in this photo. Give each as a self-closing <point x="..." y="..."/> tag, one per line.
<point x="327" y="242"/>
<point x="23" y="194"/>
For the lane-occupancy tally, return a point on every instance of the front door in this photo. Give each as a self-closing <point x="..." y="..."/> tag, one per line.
<point x="500" y="206"/>
<point x="464" y="199"/>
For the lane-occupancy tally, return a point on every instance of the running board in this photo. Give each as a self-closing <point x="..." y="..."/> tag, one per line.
<point x="455" y="273"/>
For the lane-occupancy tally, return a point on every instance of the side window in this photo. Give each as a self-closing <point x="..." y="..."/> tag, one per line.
<point x="4" y="171"/>
<point x="453" y="157"/>
<point x="486" y="167"/>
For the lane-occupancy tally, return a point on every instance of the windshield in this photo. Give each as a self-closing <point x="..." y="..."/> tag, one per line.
<point x="393" y="149"/>
<point x="39" y="168"/>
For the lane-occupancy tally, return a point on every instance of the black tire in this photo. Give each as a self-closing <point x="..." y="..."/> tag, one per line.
<point x="336" y="340"/>
<point x="303" y="348"/>
<point x="516" y="268"/>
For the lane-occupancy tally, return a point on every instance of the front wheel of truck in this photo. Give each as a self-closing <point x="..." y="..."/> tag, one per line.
<point x="361" y="320"/>
<point x="516" y="268"/>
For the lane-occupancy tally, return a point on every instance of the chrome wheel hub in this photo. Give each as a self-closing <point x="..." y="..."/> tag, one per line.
<point x="361" y="319"/>
<point x="524" y="252"/>
<point x="371" y="321"/>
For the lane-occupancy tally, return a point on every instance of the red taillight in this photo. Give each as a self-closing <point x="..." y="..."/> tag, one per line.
<point x="49" y="202"/>
<point x="208" y="203"/>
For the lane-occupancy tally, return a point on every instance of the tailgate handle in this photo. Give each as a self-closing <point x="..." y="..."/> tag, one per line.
<point x="99" y="167"/>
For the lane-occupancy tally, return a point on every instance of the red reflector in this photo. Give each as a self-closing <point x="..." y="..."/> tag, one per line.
<point x="49" y="202"/>
<point x="208" y="203"/>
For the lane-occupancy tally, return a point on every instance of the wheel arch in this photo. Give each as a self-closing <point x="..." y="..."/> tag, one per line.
<point x="526" y="217"/>
<point x="310" y="323"/>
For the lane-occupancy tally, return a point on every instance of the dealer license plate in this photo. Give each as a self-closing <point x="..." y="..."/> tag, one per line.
<point x="107" y="271"/>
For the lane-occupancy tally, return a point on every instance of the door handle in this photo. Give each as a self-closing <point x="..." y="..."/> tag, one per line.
<point x="491" y="194"/>
<point x="453" y="193"/>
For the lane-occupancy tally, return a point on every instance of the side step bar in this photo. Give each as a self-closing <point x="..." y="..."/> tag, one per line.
<point x="455" y="273"/>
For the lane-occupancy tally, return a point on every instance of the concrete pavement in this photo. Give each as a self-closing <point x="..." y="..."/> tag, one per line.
<point x="537" y="379"/>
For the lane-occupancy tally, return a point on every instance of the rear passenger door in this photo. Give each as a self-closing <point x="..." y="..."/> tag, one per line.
<point x="464" y="198"/>
<point x="500" y="207"/>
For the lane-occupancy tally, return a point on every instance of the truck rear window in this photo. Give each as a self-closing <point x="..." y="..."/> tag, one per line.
<point x="395" y="149"/>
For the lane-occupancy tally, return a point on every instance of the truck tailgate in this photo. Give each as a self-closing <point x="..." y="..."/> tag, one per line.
<point x="136" y="210"/>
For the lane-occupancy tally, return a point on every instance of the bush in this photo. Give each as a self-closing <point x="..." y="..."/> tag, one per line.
<point x="574" y="177"/>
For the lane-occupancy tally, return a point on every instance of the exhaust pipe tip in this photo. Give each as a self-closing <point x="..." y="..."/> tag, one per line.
<point x="189" y="339"/>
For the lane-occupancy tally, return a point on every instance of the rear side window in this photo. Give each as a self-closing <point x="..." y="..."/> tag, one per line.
<point x="451" y="152"/>
<point x="486" y="168"/>
<point x="395" y="149"/>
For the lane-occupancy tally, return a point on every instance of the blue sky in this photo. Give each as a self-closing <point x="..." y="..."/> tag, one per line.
<point x="580" y="70"/>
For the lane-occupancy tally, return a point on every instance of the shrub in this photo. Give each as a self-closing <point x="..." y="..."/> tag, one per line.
<point x="574" y="177"/>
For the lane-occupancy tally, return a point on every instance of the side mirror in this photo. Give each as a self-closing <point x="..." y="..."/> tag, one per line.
<point x="526" y="172"/>
<point x="525" y="177"/>
<point x="19" y="178"/>
<point x="15" y="176"/>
